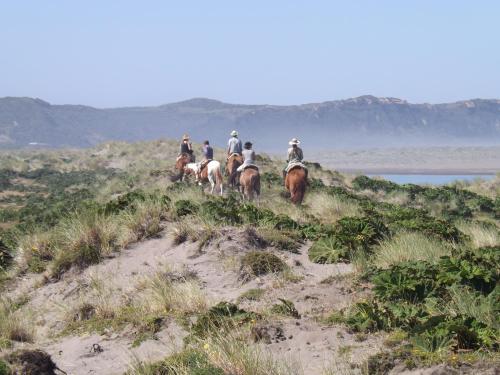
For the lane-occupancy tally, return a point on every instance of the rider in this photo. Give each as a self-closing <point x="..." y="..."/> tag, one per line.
<point x="295" y="154"/>
<point x="186" y="147"/>
<point x="208" y="155"/>
<point x="234" y="144"/>
<point x="248" y="157"/>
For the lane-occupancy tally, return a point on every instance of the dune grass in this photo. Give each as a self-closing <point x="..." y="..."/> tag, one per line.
<point x="234" y="355"/>
<point x="14" y="325"/>
<point x="481" y="234"/>
<point x="408" y="246"/>
<point x="180" y="297"/>
<point x="330" y="208"/>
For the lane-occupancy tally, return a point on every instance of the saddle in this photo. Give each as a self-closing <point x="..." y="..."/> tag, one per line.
<point x="251" y="166"/>
<point x="234" y="155"/>
<point x="293" y="165"/>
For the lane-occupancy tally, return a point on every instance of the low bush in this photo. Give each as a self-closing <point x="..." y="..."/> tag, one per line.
<point x="185" y="207"/>
<point x="285" y="308"/>
<point x="351" y="236"/>
<point x="223" y="316"/>
<point x="450" y="304"/>
<point x="257" y="263"/>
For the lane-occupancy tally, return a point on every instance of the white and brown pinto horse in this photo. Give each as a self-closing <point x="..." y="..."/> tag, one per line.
<point x="211" y="173"/>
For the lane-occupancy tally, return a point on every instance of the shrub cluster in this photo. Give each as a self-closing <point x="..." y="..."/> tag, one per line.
<point x="452" y="304"/>
<point x="350" y="236"/>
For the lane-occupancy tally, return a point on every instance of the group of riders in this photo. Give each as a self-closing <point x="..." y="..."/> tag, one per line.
<point x="245" y="151"/>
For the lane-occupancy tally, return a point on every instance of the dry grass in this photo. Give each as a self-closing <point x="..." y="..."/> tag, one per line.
<point x="407" y="246"/>
<point x="234" y="355"/>
<point x="14" y="325"/>
<point x="329" y="208"/>
<point x="480" y="234"/>
<point x="84" y="240"/>
<point x="181" y="297"/>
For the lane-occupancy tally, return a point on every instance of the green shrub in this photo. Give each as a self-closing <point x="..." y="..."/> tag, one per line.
<point x="224" y="315"/>
<point x="351" y="236"/>
<point x="257" y="263"/>
<point x="451" y="303"/>
<point x="185" y="207"/>
<point x="271" y="179"/>
<point x="4" y="368"/>
<point x="286" y="308"/>
<point x="367" y="183"/>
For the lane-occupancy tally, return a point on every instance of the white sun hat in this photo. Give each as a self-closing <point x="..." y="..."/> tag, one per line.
<point x="234" y="133"/>
<point x="294" y="141"/>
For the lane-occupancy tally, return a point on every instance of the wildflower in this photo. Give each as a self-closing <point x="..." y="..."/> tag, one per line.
<point x="206" y="346"/>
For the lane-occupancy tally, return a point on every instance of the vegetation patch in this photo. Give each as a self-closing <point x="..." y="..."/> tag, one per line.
<point x="285" y="308"/>
<point x="252" y="295"/>
<point x="224" y="315"/>
<point x="445" y="306"/>
<point x="258" y="263"/>
<point x="189" y="361"/>
<point x="352" y="236"/>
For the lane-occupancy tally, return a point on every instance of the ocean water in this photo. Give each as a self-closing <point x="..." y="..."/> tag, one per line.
<point x="431" y="179"/>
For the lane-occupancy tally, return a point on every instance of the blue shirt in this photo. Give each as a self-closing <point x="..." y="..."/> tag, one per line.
<point x="208" y="152"/>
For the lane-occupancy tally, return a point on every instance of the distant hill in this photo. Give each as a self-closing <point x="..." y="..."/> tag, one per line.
<point x="365" y="121"/>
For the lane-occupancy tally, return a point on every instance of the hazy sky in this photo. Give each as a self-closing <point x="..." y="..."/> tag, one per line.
<point x="119" y="53"/>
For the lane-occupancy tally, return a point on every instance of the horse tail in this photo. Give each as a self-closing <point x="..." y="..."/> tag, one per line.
<point x="256" y="183"/>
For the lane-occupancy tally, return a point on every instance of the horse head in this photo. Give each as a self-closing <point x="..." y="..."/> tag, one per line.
<point x="180" y="164"/>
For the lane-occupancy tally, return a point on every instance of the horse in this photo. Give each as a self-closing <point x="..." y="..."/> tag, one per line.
<point x="180" y="164"/>
<point x="211" y="173"/>
<point x="296" y="182"/>
<point x="233" y="162"/>
<point x="250" y="183"/>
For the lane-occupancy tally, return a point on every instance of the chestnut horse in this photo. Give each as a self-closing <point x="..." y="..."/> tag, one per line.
<point x="250" y="183"/>
<point x="180" y="163"/>
<point x="232" y="164"/>
<point x="211" y="173"/>
<point x="296" y="182"/>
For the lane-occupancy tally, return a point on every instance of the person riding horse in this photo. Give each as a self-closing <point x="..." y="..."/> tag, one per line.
<point x="186" y="148"/>
<point x="208" y="155"/>
<point x="234" y="145"/>
<point x="295" y="173"/>
<point x="295" y="155"/>
<point x="248" y="157"/>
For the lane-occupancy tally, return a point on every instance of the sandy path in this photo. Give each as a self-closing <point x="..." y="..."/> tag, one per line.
<point x="310" y="343"/>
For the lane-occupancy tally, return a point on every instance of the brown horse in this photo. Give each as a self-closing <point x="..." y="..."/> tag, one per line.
<point x="232" y="164"/>
<point x="180" y="164"/>
<point x="250" y="183"/>
<point x="296" y="182"/>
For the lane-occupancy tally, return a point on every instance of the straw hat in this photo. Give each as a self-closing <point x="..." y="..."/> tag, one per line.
<point x="234" y="133"/>
<point x="185" y="137"/>
<point x="294" y="141"/>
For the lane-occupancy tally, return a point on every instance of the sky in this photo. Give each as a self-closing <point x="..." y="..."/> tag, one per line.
<point x="112" y="53"/>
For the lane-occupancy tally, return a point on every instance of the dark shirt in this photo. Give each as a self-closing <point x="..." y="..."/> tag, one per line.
<point x="185" y="149"/>
<point x="208" y="152"/>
